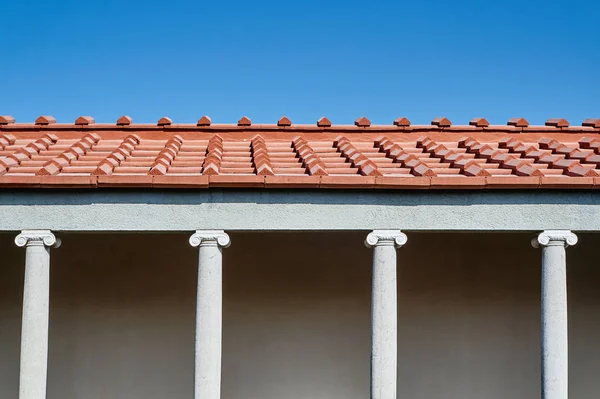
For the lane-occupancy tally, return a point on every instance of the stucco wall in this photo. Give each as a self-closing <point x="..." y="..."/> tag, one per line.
<point x="296" y="317"/>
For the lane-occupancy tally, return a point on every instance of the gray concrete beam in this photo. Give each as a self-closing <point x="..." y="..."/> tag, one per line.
<point x="263" y="210"/>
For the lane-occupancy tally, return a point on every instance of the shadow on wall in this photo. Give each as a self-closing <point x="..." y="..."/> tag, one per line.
<point x="296" y="316"/>
<point x="294" y="196"/>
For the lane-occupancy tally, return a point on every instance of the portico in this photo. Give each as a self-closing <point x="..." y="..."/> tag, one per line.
<point x="422" y="313"/>
<point x="386" y="245"/>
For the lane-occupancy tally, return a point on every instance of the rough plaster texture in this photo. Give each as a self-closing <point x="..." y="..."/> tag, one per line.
<point x="554" y="326"/>
<point x="36" y="306"/>
<point x="209" y="313"/>
<point x="96" y="210"/>
<point x="384" y="312"/>
<point x="297" y="314"/>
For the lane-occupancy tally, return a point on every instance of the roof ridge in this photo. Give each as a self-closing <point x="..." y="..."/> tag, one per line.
<point x="363" y="123"/>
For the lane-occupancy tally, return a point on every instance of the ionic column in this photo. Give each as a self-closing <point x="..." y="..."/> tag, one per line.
<point x="554" y="311"/>
<point x="209" y="305"/>
<point x="36" y="298"/>
<point x="384" y="315"/>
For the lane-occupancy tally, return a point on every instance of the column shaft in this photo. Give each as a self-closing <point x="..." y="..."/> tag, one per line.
<point x="209" y="306"/>
<point x="384" y="324"/>
<point x="36" y="298"/>
<point x="554" y="327"/>
<point x="554" y="323"/>
<point x="384" y="314"/>
<point x="34" y="330"/>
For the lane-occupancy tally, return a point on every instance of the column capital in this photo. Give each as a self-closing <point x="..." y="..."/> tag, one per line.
<point x="210" y="237"/>
<point x="386" y="237"/>
<point x="37" y="237"/>
<point x="554" y="238"/>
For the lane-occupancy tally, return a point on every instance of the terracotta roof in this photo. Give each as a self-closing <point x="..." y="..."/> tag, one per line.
<point x="323" y="155"/>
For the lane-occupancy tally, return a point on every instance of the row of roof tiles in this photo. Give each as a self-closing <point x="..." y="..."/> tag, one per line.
<point x="322" y="122"/>
<point x="353" y="160"/>
<point x="295" y="182"/>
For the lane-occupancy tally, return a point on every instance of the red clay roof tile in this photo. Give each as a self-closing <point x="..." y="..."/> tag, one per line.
<point x="284" y="121"/>
<point x="260" y="157"/>
<point x="125" y="181"/>
<point x="591" y="122"/>
<point x="6" y="120"/>
<point x="558" y="122"/>
<point x="348" y="181"/>
<point x="178" y="181"/>
<point x="479" y="122"/>
<point x="402" y="121"/>
<point x="292" y="181"/>
<point x="365" y="166"/>
<point x="232" y="180"/>
<point x="164" y="121"/>
<point x="214" y="153"/>
<point x="323" y="122"/>
<point x="204" y="121"/>
<point x="124" y="120"/>
<point x="566" y="182"/>
<point x="518" y="122"/>
<point x="362" y="122"/>
<point x="283" y="155"/>
<point x="510" y="181"/>
<point x="310" y="160"/>
<point x="45" y="120"/>
<point x="166" y="156"/>
<point x="244" y="121"/>
<point x="85" y="120"/>
<point x="386" y="182"/>
<point x="5" y="140"/>
<point x="441" y="122"/>
<point x="462" y="182"/>
<point x="83" y="181"/>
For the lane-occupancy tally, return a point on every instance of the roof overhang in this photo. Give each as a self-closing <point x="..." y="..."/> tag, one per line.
<point x="363" y="156"/>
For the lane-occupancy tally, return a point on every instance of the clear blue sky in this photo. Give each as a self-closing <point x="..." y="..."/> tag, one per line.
<point x="304" y="59"/>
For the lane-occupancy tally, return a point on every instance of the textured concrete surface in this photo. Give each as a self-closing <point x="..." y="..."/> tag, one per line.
<point x="554" y="326"/>
<point x="36" y="307"/>
<point x="384" y="312"/>
<point x="209" y="313"/>
<point x="299" y="210"/>
<point x="296" y="316"/>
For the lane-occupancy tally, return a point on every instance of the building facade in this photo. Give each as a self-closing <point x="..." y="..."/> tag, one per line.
<point x="327" y="296"/>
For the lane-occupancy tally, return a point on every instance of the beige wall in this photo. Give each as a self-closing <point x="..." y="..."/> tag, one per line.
<point x="296" y="317"/>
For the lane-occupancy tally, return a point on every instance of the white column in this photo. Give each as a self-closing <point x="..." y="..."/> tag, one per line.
<point x="554" y="311"/>
<point x="209" y="305"/>
<point x="36" y="298"/>
<point x="384" y="315"/>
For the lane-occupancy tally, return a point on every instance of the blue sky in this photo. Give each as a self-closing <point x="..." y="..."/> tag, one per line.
<point x="303" y="59"/>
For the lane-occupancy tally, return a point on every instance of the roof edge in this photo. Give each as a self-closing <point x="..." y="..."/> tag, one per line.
<point x="14" y="127"/>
